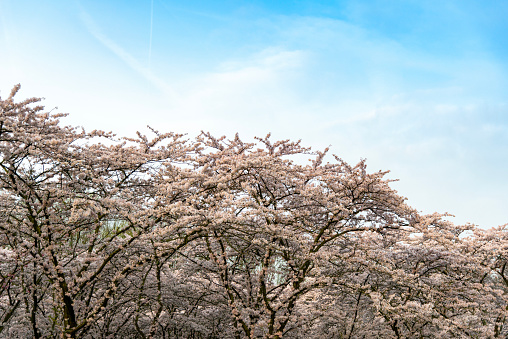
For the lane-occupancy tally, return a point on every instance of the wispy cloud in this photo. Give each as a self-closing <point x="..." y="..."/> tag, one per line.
<point x="251" y="95"/>
<point x="125" y="56"/>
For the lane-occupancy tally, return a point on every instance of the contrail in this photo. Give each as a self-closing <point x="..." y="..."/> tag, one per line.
<point x="151" y="29"/>
<point x="132" y="62"/>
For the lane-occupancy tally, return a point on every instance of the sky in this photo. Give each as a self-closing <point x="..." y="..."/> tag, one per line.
<point x="418" y="88"/>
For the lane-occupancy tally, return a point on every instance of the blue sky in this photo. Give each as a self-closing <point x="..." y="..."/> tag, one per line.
<point x="416" y="87"/>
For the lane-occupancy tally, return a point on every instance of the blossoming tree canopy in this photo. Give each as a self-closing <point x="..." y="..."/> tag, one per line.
<point x="219" y="238"/>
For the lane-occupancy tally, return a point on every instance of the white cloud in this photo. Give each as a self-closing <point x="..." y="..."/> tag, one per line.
<point x="251" y="95"/>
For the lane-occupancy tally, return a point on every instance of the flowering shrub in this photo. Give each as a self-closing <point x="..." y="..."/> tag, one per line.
<point x="214" y="238"/>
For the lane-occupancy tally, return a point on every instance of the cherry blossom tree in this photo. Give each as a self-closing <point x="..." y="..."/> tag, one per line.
<point x="78" y="219"/>
<point x="165" y="237"/>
